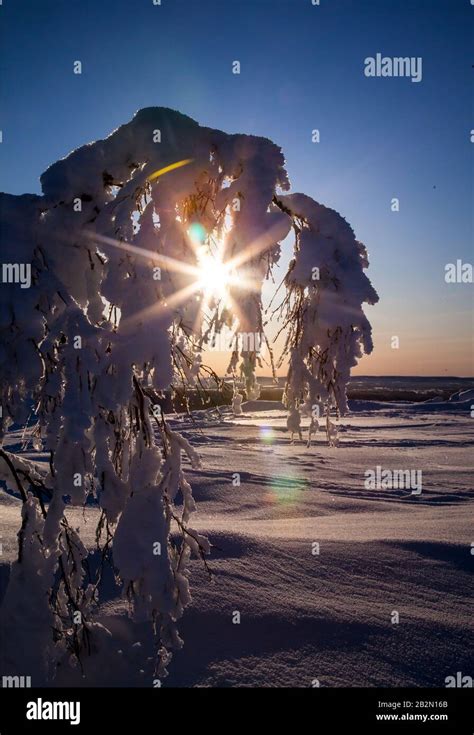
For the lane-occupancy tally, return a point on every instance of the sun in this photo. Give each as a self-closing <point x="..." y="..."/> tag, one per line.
<point x="214" y="276"/>
<point x="211" y="279"/>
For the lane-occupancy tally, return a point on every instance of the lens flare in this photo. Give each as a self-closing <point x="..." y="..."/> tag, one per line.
<point x="197" y="233"/>
<point x="171" y="167"/>
<point x="267" y="435"/>
<point x="285" y="490"/>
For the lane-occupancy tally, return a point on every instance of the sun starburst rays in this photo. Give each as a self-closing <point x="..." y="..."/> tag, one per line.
<point x="211" y="279"/>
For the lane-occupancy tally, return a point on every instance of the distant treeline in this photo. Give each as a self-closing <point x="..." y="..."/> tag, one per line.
<point x="194" y="400"/>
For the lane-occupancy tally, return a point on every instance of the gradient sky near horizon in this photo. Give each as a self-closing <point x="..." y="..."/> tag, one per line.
<point x="302" y="67"/>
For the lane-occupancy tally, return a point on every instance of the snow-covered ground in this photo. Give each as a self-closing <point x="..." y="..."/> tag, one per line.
<point x="306" y="615"/>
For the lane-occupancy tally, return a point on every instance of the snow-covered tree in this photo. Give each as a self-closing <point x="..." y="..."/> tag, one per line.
<point x="122" y="247"/>
<point x="327" y="330"/>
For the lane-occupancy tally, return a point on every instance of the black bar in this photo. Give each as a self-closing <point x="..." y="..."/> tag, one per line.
<point x="134" y="711"/>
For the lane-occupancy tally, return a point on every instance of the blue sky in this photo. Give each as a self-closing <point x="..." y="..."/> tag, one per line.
<point x="301" y="68"/>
